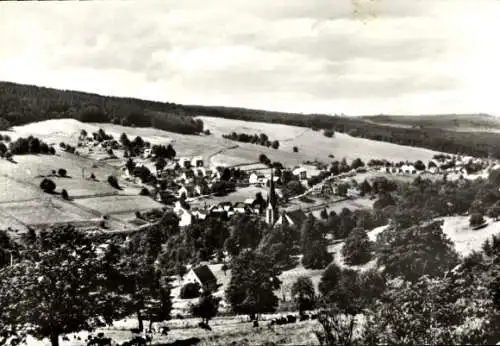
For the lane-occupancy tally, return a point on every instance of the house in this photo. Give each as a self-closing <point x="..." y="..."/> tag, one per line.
<point x="408" y="169"/>
<point x="203" y="276"/>
<point x="241" y="208"/>
<point x="293" y="218"/>
<point x="197" y="161"/>
<point x="255" y="178"/>
<point x="185" y="162"/>
<point x="300" y="172"/>
<point x="189" y="191"/>
<point x="185" y="217"/>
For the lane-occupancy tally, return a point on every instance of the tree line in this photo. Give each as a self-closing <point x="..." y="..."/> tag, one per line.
<point x="23" y="104"/>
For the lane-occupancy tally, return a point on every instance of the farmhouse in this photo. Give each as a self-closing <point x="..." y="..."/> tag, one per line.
<point x="203" y="276"/>
<point x="185" y="162"/>
<point x="185" y="217"/>
<point x="197" y="161"/>
<point x="255" y="178"/>
<point x="300" y="172"/>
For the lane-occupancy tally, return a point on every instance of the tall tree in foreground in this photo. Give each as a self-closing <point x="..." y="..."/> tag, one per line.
<point x="253" y="280"/>
<point x="58" y="288"/>
<point x="303" y="294"/>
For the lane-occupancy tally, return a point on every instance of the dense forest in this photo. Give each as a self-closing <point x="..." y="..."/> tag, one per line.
<point x="21" y="104"/>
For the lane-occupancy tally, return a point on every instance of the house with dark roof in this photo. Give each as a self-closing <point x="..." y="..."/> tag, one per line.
<point x="203" y="276"/>
<point x="293" y="218"/>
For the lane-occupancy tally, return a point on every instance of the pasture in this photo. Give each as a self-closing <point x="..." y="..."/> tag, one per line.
<point x="12" y="190"/>
<point x="78" y="188"/>
<point x="118" y="204"/>
<point x="47" y="210"/>
<point x="311" y="144"/>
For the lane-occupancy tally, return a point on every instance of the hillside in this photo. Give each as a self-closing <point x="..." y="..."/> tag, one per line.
<point x="454" y="122"/>
<point x="22" y="104"/>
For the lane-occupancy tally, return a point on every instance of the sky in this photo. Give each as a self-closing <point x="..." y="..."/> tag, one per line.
<point x="354" y="57"/>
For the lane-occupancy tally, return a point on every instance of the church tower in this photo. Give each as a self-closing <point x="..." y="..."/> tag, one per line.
<point x="272" y="203"/>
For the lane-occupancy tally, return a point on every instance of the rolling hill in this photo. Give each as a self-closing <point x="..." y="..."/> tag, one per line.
<point x="23" y="104"/>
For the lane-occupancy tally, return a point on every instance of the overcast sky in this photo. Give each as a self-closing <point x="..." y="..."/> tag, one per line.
<point x="329" y="56"/>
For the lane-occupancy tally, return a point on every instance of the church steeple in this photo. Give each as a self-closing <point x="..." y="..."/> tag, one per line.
<point x="272" y="203"/>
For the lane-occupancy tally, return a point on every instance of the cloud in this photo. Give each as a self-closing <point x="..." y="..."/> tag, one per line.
<point x="345" y="56"/>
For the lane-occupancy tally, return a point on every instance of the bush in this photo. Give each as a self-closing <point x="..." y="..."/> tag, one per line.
<point x="113" y="182"/>
<point x="476" y="219"/>
<point x="48" y="185"/>
<point x="144" y="192"/>
<point x="64" y="194"/>
<point x="62" y="172"/>
<point x="190" y="290"/>
<point x="328" y="133"/>
<point x="295" y="149"/>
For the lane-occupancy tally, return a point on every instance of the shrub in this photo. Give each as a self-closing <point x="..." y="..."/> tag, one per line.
<point x="48" y="185"/>
<point x="64" y="194"/>
<point x="207" y="132"/>
<point x="190" y="290"/>
<point x="476" y="219"/>
<point x="113" y="182"/>
<point x="62" y="172"/>
<point x="328" y="133"/>
<point x="295" y="149"/>
<point x="144" y="192"/>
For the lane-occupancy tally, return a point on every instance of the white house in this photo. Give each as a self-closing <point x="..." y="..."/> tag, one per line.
<point x="408" y="169"/>
<point x="300" y="172"/>
<point x="185" y="162"/>
<point x="197" y="161"/>
<point x="185" y="217"/>
<point x="255" y="178"/>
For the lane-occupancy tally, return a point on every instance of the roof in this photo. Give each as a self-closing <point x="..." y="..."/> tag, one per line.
<point x="298" y="216"/>
<point x="204" y="274"/>
<point x="240" y="205"/>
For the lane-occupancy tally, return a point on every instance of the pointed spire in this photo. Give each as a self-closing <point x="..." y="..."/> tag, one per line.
<point x="271" y="197"/>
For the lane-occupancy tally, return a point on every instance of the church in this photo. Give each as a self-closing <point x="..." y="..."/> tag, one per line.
<point x="275" y="217"/>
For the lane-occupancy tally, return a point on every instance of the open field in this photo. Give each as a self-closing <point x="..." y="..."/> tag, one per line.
<point x="81" y="187"/>
<point x="311" y="144"/>
<point x="225" y="330"/>
<point x="28" y="167"/>
<point x="46" y="210"/>
<point x="455" y="122"/>
<point x="464" y="237"/>
<point x="12" y="191"/>
<point x="118" y="204"/>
